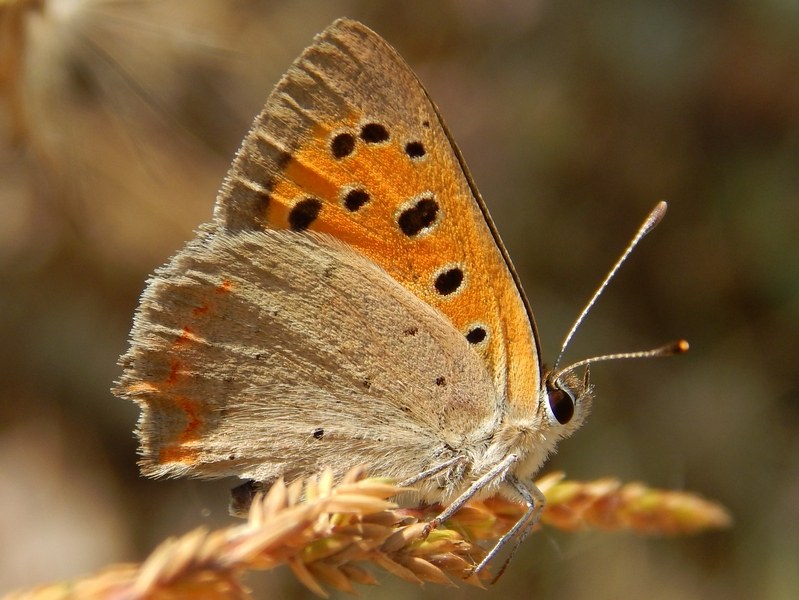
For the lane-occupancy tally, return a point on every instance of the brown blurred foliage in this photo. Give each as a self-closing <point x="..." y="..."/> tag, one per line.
<point x="118" y="120"/>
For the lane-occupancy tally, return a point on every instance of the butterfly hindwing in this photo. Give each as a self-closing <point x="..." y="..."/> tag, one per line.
<point x="243" y="361"/>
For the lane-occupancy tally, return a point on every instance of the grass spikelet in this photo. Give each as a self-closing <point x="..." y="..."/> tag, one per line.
<point x="327" y="533"/>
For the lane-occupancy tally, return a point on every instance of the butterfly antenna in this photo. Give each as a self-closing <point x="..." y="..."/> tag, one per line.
<point x="648" y="225"/>
<point x="678" y="347"/>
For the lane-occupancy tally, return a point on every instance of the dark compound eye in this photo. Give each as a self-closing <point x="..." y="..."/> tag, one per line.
<point x="561" y="403"/>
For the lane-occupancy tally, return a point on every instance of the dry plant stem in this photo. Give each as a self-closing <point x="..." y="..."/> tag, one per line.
<point x="325" y="532"/>
<point x="12" y="53"/>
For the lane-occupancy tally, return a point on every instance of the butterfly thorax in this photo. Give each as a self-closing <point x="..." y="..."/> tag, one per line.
<point x="533" y="434"/>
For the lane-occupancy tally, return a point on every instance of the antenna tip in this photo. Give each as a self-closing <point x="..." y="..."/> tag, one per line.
<point x="680" y="347"/>
<point x="656" y="215"/>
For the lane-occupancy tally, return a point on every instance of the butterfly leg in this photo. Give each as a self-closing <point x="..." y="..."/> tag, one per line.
<point x="535" y="501"/>
<point x="497" y="472"/>
<point x="430" y="472"/>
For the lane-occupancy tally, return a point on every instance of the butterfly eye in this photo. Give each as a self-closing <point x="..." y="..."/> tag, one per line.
<point x="561" y="404"/>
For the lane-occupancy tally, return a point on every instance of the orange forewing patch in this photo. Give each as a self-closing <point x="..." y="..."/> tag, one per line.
<point x="393" y="179"/>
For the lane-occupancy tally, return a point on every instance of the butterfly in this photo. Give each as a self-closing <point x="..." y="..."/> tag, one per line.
<point x="351" y="303"/>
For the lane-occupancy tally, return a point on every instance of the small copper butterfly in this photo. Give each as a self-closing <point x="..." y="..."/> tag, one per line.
<point x="350" y="303"/>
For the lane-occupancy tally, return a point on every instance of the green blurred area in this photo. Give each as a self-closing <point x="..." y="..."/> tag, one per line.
<point x="575" y="118"/>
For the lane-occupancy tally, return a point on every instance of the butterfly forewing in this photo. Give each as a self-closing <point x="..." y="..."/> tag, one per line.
<point x="349" y="144"/>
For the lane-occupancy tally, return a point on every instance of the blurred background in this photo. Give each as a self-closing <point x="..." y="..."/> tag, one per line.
<point x="118" y="120"/>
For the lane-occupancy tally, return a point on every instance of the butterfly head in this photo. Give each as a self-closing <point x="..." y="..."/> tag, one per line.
<point x="566" y="402"/>
<point x="565" y="398"/>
